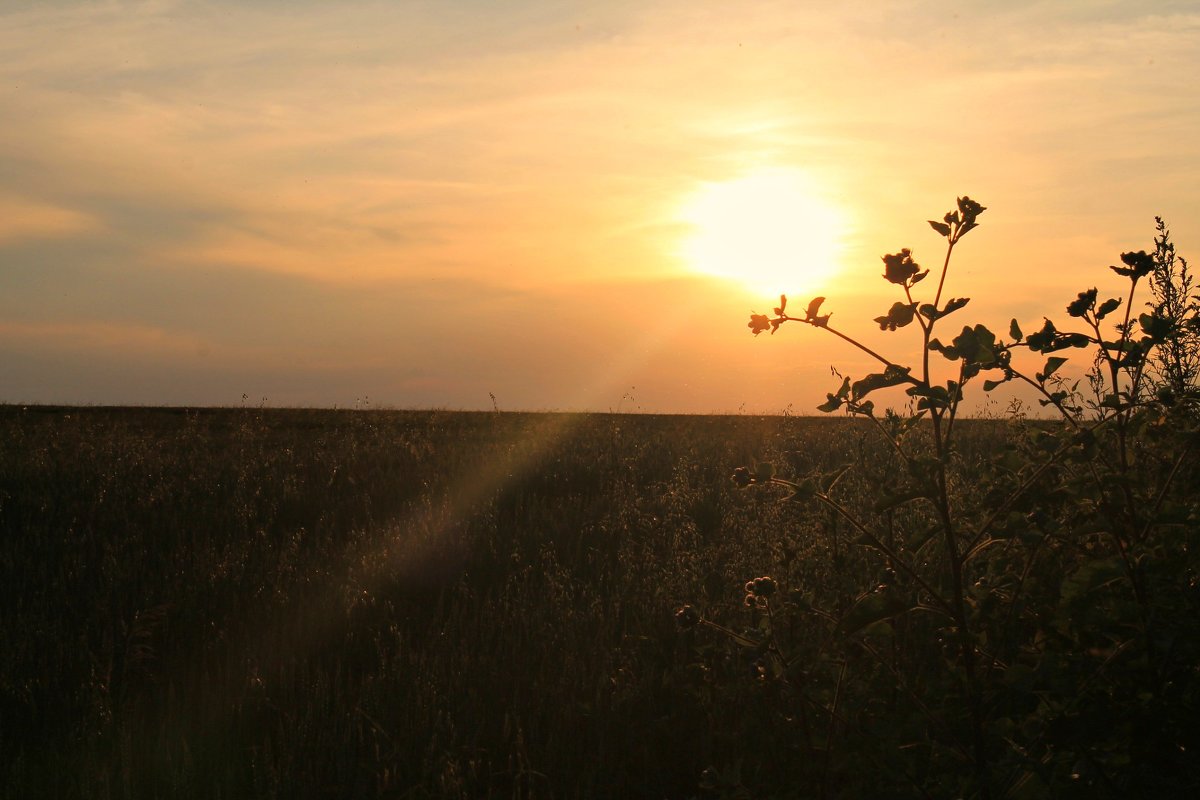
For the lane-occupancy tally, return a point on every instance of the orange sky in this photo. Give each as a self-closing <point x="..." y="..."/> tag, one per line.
<point x="422" y="203"/>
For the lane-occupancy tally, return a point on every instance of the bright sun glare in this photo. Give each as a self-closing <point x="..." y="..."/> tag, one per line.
<point x="770" y="230"/>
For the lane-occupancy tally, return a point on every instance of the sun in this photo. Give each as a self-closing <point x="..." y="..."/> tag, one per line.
<point x="771" y="230"/>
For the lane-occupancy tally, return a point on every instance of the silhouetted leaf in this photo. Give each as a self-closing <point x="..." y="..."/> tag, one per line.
<point x="1156" y="326"/>
<point x="888" y="501"/>
<point x="1135" y="352"/>
<point x="1049" y="339"/>
<point x="872" y="608"/>
<point x="893" y="375"/>
<point x="831" y="404"/>
<point x="899" y="315"/>
<point x="804" y="490"/>
<point x="1107" y="307"/>
<point x="1084" y="437"/>
<point x="834" y="401"/>
<point x="976" y="345"/>
<point x="927" y="391"/>
<point x="940" y="227"/>
<point x="930" y="396"/>
<point x="966" y="342"/>
<point x="782" y="305"/>
<point x="1055" y="398"/>
<point x="954" y="304"/>
<point x="1014" y="331"/>
<point x="1052" y="365"/>
<point x="829" y="480"/>
<point x="931" y="312"/>
<point x="949" y="352"/>
<point x="1039" y="341"/>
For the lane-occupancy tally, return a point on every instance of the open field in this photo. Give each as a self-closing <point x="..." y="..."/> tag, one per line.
<point x="292" y="603"/>
<point x="218" y="602"/>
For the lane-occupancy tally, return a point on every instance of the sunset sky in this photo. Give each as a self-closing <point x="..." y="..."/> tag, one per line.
<point x="565" y="205"/>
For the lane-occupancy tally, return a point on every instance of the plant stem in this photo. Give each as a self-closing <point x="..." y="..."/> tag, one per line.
<point x="1049" y="397"/>
<point x="837" y="696"/>
<point x="844" y="338"/>
<point x="937" y="299"/>
<point x="927" y="331"/>
<point x="887" y="551"/>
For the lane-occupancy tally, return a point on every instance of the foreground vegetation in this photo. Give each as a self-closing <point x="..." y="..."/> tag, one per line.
<point x="345" y="604"/>
<point x="244" y="602"/>
<point x="233" y="603"/>
<point x="1059" y="580"/>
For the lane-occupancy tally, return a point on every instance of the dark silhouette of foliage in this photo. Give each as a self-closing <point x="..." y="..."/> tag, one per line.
<point x="1017" y="622"/>
<point x="1175" y="365"/>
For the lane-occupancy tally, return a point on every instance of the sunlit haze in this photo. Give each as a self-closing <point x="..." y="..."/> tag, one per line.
<point x="768" y="230"/>
<point x="557" y="205"/>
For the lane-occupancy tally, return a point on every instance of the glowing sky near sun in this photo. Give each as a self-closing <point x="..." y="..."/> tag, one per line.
<point x="426" y="202"/>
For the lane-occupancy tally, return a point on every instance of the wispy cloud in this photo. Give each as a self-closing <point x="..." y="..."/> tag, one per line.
<point x="370" y="181"/>
<point x="23" y="219"/>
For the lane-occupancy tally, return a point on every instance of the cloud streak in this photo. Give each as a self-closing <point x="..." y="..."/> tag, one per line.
<point x="367" y="183"/>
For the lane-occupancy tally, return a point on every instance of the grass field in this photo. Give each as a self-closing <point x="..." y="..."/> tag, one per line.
<point x="292" y="603"/>
<point x="284" y="603"/>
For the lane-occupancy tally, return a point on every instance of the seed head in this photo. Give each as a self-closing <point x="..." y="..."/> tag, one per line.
<point x="687" y="617"/>
<point x="765" y="586"/>
<point x="742" y="477"/>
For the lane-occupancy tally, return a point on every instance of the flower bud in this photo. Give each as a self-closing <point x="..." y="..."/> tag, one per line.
<point x="765" y="586"/>
<point x="742" y="477"/>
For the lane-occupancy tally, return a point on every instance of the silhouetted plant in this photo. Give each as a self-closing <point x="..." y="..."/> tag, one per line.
<point x="1025" y="622"/>
<point x="1175" y="366"/>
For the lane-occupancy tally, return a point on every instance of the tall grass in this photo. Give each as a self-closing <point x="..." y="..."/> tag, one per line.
<point x="290" y="603"/>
